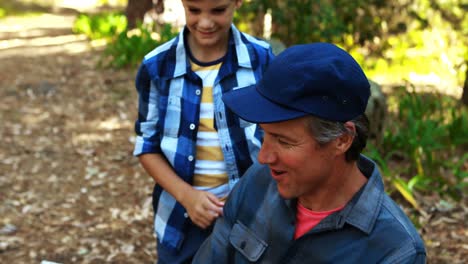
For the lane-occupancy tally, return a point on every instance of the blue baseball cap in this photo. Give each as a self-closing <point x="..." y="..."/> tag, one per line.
<point x="317" y="79"/>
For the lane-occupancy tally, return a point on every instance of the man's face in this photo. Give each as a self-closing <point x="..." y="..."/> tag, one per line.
<point x="298" y="164"/>
<point x="209" y="21"/>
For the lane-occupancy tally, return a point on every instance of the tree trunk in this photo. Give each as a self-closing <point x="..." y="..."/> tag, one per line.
<point x="136" y="10"/>
<point x="465" y="87"/>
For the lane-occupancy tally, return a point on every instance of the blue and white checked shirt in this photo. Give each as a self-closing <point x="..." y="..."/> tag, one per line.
<point x="168" y="117"/>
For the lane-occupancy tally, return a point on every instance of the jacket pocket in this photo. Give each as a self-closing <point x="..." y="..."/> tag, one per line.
<point x="247" y="242"/>
<point x="173" y="115"/>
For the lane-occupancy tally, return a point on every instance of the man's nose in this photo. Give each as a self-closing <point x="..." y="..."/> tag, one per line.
<point x="265" y="155"/>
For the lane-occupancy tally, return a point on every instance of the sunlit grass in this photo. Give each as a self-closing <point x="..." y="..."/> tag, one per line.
<point x="17" y="8"/>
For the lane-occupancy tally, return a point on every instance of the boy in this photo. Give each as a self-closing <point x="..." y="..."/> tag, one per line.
<point x="187" y="141"/>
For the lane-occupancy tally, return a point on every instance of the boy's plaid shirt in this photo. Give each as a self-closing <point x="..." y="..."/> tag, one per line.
<point x="168" y="117"/>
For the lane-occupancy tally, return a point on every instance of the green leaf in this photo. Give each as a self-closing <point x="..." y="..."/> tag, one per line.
<point x="405" y="191"/>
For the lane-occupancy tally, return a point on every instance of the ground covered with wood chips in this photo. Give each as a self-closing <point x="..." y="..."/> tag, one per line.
<point x="70" y="190"/>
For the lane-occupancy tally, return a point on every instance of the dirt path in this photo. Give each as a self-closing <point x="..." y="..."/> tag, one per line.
<point x="70" y="190"/>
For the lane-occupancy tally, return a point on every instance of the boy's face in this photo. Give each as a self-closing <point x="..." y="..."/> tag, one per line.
<point x="209" y="21"/>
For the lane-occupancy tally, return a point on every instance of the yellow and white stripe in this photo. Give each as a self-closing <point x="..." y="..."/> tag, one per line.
<point x="210" y="170"/>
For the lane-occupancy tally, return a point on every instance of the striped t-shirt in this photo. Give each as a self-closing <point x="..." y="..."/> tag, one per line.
<point x="210" y="170"/>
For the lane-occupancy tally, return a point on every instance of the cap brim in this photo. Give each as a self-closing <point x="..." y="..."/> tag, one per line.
<point x="251" y="106"/>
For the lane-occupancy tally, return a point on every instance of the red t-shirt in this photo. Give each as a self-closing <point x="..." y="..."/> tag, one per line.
<point x="307" y="219"/>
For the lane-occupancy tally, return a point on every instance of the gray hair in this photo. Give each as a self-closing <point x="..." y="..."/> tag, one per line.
<point x="325" y="131"/>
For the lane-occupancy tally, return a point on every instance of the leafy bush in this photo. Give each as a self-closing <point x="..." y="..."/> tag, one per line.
<point x="305" y="21"/>
<point x="426" y="138"/>
<point x="392" y="40"/>
<point x="124" y="48"/>
<point x="100" y="26"/>
<point x="130" y="47"/>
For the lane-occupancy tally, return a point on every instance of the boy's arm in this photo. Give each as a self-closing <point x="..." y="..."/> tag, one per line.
<point x="202" y="207"/>
<point x="217" y="248"/>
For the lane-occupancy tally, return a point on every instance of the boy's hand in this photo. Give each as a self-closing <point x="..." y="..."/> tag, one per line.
<point x="202" y="207"/>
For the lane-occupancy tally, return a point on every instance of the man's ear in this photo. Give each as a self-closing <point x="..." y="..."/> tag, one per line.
<point x="344" y="142"/>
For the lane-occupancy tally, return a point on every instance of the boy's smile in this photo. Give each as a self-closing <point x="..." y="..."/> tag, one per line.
<point x="209" y="22"/>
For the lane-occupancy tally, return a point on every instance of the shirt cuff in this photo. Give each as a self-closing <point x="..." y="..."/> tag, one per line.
<point x="143" y="146"/>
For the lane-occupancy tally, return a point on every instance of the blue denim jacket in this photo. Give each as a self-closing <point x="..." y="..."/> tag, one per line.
<point x="258" y="227"/>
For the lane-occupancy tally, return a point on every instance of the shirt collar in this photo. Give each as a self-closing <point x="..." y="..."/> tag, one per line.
<point x="362" y="210"/>
<point x="364" y="207"/>
<point x="238" y="53"/>
<point x="242" y="50"/>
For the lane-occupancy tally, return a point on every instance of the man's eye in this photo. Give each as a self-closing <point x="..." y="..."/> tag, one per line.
<point x="282" y="142"/>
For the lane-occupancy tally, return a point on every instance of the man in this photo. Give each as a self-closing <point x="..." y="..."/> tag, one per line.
<point x="315" y="199"/>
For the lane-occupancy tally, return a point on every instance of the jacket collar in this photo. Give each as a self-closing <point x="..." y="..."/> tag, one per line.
<point x="362" y="210"/>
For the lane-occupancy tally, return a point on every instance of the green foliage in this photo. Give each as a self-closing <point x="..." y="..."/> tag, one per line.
<point x="123" y="48"/>
<point x="425" y="137"/>
<point x="129" y="48"/>
<point x="318" y="20"/>
<point x="393" y="40"/>
<point x="112" y="2"/>
<point x="99" y="26"/>
<point x="436" y="53"/>
<point x="458" y="127"/>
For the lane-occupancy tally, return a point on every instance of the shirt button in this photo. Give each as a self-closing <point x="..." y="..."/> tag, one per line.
<point x="198" y="92"/>
<point x="190" y="158"/>
<point x="192" y="126"/>
<point x="185" y="215"/>
<point x="243" y="244"/>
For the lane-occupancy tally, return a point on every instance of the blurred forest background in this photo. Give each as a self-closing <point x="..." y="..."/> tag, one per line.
<point x="70" y="190"/>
